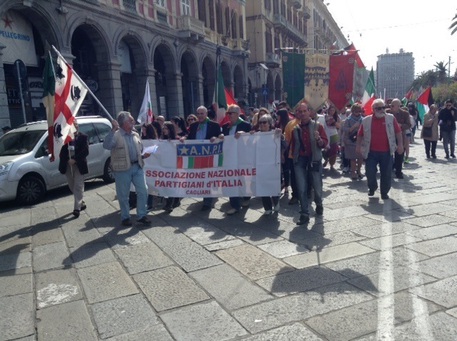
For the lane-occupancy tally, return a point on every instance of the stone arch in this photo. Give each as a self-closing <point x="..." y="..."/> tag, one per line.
<point x="93" y="63"/>
<point x="208" y="79"/>
<point x="133" y="58"/>
<point x="45" y="34"/>
<point x="190" y="82"/>
<point x="166" y="80"/>
<point x="270" y="89"/>
<point x="226" y="74"/>
<point x="238" y="82"/>
<point x="278" y="88"/>
<point x="95" y="32"/>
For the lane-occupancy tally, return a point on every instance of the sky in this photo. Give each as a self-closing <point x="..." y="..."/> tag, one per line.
<point x="420" y="27"/>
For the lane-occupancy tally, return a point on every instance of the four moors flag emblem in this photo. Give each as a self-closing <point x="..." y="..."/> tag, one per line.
<point x="63" y="94"/>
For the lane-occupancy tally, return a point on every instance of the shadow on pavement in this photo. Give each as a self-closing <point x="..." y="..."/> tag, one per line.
<point x="318" y="279"/>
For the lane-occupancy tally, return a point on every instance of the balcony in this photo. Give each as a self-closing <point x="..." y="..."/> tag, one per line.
<point x="272" y="60"/>
<point x="191" y="29"/>
<point x="306" y="12"/>
<point x="281" y="23"/>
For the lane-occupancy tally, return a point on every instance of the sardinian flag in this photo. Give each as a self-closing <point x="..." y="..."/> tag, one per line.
<point x="70" y="92"/>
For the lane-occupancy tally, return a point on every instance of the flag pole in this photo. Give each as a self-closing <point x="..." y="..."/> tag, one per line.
<point x="88" y="90"/>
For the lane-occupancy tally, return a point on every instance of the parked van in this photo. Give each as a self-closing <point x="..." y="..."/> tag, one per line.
<point x="26" y="172"/>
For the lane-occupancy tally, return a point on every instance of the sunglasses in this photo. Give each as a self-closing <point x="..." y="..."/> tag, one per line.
<point x="190" y="119"/>
<point x="379" y="108"/>
<point x="261" y="122"/>
<point x="231" y="112"/>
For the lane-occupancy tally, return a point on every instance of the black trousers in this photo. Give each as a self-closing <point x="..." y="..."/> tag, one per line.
<point x="398" y="163"/>
<point x="430" y="145"/>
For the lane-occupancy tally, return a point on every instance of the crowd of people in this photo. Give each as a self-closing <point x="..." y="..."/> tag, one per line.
<point x="310" y="141"/>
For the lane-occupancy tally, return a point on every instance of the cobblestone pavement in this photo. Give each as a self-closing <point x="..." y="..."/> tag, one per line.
<point x="368" y="269"/>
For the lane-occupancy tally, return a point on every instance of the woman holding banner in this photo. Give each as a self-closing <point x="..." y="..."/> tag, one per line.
<point x="266" y="124"/>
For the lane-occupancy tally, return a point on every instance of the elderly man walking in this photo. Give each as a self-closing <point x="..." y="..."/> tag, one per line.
<point x="379" y="137"/>
<point x="127" y="163"/>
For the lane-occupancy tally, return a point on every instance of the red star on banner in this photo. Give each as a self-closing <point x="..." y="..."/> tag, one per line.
<point x="8" y="22"/>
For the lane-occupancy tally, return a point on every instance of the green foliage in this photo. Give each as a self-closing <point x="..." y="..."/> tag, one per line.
<point x="445" y="91"/>
<point x="428" y="78"/>
<point x="453" y="26"/>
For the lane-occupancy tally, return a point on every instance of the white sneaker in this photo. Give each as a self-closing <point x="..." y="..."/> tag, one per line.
<point x="276" y="208"/>
<point x="268" y="212"/>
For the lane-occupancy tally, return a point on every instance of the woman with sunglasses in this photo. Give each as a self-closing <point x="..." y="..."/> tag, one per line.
<point x="189" y="120"/>
<point x="266" y="124"/>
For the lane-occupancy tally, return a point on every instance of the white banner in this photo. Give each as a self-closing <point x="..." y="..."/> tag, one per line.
<point x="17" y="35"/>
<point x="247" y="166"/>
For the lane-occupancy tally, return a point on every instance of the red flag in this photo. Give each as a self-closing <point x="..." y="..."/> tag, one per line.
<point x="341" y="80"/>
<point x="409" y="94"/>
<point x="229" y="97"/>
<point x="69" y="94"/>
<point x="230" y="100"/>
<point x="351" y="50"/>
<point x="367" y="107"/>
<point x="426" y="97"/>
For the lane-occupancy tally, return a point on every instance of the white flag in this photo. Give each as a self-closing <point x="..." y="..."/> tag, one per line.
<point x="145" y="115"/>
<point x="69" y="95"/>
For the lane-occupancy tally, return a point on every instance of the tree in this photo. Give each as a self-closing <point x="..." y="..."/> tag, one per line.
<point x="453" y="26"/>
<point x="442" y="71"/>
<point x="426" y="79"/>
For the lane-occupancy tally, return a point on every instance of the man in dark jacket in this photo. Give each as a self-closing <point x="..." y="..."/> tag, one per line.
<point x="203" y="129"/>
<point x="73" y="164"/>
<point x="447" y="117"/>
<point x="402" y="117"/>
<point x="235" y="127"/>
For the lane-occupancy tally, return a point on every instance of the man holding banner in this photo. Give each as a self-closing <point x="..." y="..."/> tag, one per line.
<point x="235" y="127"/>
<point x="203" y="129"/>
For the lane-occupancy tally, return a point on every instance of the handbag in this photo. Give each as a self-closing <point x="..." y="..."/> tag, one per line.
<point x="427" y="132"/>
<point x="353" y="136"/>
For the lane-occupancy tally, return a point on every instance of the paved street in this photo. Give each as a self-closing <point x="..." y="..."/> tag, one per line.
<point x="368" y="269"/>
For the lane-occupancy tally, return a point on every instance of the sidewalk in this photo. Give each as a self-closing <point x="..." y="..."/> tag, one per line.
<point x="369" y="268"/>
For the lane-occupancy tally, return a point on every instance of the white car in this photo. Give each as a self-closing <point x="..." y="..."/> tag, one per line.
<point x="26" y="172"/>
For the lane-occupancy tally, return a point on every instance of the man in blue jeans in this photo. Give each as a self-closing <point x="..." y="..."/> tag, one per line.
<point x="447" y="117"/>
<point x="308" y="139"/>
<point x="127" y="163"/>
<point x="379" y="137"/>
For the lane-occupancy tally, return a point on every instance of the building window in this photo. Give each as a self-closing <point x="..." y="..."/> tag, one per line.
<point x="227" y="22"/>
<point x="220" y="28"/>
<point x="185" y="7"/>
<point x="241" y="20"/>
<point x="212" y="19"/>
<point x="268" y="5"/>
<point x="162" y="17"/>
<point x="276" y="6"/>
<point x="202" y="12"/>
<point x="130" y="5"/>
<point x="160" y="3"/>
<point x="268" y="45"/>
<point x="233" y="23"/>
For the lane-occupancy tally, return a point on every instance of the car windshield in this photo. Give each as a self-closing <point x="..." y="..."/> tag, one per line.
<point x="19" y="142"/>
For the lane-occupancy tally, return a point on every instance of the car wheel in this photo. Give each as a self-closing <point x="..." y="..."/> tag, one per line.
<point x="31" y="190"/>
<point x="108" y="175"/>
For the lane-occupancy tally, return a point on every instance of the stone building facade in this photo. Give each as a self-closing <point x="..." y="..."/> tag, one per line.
<point x="394" y="73"/>
<point x="116" y="46"/>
